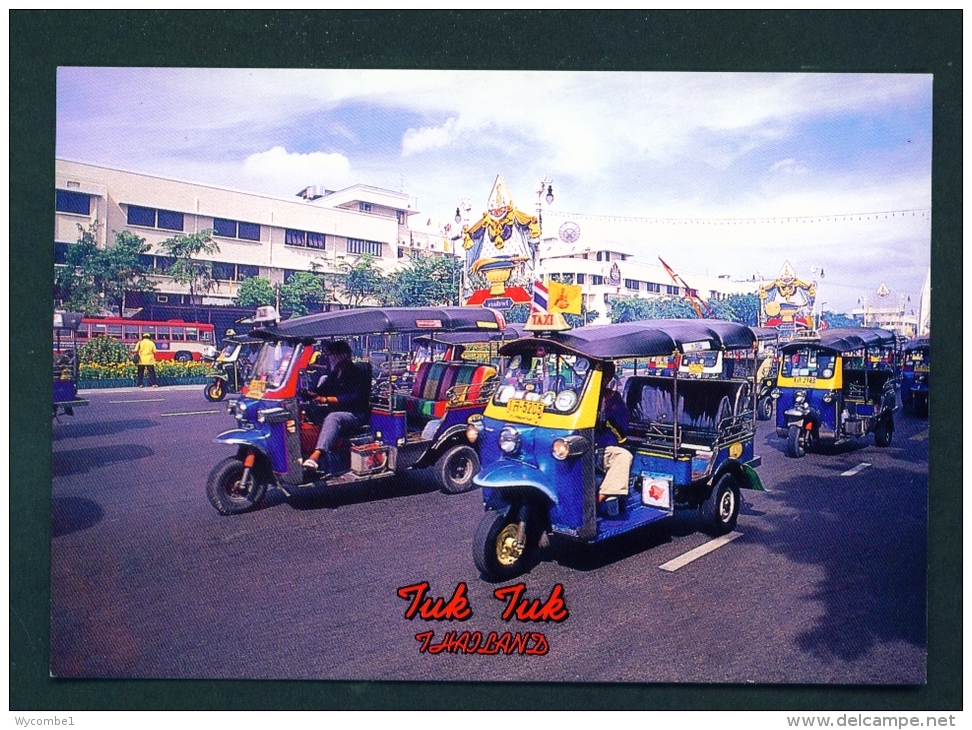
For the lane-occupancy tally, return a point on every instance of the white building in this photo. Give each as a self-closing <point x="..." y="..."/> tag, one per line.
<point x="257" y="235"/>
<point x="606" y="271"/>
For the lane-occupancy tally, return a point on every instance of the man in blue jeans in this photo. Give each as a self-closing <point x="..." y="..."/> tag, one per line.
<point x="346" y="393"/>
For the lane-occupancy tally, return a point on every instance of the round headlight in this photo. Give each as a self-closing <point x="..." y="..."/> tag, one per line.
<point x="566" y="400"/>
<point x="472" y="433"/>
<point x="775" y="393"/>
<point x="509" y="440"/>
<point x="560" y="449"/>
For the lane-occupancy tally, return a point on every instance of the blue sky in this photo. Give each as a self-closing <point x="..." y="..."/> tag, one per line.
<point x="694" y="147"/>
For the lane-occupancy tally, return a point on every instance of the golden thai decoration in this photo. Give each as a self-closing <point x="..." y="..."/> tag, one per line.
<point x="500" y="220"/>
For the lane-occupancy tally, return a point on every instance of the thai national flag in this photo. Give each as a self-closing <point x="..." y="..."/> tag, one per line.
<point x="539" y="297"/>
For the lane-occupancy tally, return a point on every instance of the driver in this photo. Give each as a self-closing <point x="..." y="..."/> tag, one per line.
<point x="346" y="391"/>
<point x="610" y="433"/>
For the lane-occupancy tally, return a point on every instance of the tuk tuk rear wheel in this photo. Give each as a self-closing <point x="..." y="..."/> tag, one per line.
<point x="455" y="469"/>
<point x="883" y="432"/>
<point x="215" y="391"/>
<point x="226" y="492"/>
<point x="796" y="444"/>
<point x="764" y="408"/>
<point x="720" y="512"/>
<point x="495" y="551"/>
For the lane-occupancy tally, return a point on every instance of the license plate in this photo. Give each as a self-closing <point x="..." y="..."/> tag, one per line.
<point x="696" y="367"/>
<point x="257" y="389"/>
<point x="529" y="411"/>
<point x="921" y="368"/>
<point x="803" y="380"/>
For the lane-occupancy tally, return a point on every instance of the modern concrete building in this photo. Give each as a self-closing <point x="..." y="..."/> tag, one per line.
<point x="605" y="272"/>
<point x="257" y="235"/>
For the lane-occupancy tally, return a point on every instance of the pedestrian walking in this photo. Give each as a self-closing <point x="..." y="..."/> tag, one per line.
<point x="145" y="359"/>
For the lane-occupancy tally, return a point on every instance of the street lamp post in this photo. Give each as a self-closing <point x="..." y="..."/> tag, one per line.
<point x="544" y="193"/>
<point x="462" y="221"/>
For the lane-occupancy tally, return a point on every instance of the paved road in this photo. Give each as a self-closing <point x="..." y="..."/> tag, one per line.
<point x="824" y="584"/>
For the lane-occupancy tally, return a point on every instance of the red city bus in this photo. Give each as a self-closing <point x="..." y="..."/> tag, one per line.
<point x="174" y="339"/>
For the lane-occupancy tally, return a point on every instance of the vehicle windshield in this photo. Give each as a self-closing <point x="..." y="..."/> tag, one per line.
<point x="917" y="357"/>
<point x="228" y="349"/>
<point x="273" y="362"/>
<point x="808" y="362"/>
<point x="554" y="379"/>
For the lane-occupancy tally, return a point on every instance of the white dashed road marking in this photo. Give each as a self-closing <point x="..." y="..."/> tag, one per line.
<point x="190" y="413"/>
<point x="856" y="470"/>
<point x="140" y="400"/>
<point x="920" y="436"/>
<point x="683" y="560"/>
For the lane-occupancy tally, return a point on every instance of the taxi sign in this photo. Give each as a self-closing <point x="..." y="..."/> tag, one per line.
<point x="256" y="389"/>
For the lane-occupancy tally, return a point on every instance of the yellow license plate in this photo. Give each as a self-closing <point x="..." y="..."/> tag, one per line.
<point x="696" y="367"/>
<point x="529" y="411"/>
<point x="804" y="380"/>
<point x="921" y="368"/>
<point x="257" y="389"/>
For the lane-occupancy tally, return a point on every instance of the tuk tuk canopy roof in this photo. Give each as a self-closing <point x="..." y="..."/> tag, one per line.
<point x="646" y="338"/>
<point x="512" y="332"/>
<point x="765" y="334"/>
<point x="373" y="320"/>
<point x="917" y="343"/>
<point x="845" y="339"/>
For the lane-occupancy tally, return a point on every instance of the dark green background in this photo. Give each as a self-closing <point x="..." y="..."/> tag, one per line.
<point x="881" y="41"/>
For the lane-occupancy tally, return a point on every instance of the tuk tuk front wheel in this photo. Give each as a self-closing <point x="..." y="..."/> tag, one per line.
<point x="883" y="432"/>
<point x="495" y="549"/>
<point x="227" y="491"/>
<point x="455" y="469"/>
<point x="764" y="408"/>
<point x="215" y="391"/>
<point x="796" y="442"/>
<point x="720" y="512"/>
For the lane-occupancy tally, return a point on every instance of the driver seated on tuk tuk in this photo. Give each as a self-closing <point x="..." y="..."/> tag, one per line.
<point x="612" y="431"/>
<point x="346" y="392"/>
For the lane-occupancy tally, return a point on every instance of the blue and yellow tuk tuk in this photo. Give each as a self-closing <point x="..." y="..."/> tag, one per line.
<point x="915" y="373"/>
<point x="690" y="434"/>
<point x="835" y="386"/>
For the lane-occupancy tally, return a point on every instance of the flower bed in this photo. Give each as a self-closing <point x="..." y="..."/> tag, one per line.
<point x="164" y="370"/>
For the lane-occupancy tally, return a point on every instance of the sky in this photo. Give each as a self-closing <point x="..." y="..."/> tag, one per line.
<point x="717" y="173"/>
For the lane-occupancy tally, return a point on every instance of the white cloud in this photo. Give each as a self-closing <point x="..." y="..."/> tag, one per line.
<point x="788" y="166"/>
<point x="287" y="172"/>
<point x="415" y="141"/>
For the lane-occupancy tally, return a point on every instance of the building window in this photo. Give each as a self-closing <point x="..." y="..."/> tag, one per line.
<point x="249" y="231"/>
<point x="152" y="218"/>
<point x="66" y="201"/>
<point x="400" y="214"/>
<point x="650" y="286"/>
<point x="401" y="252"/>
<point x="607" y="255"/>
<point x="139" y="216"/>
<point x="170" y="220"/>
<point x="234" y="272"/>
<point x="364" y="207"/>
<point x="357" y="245"/>
<point x="235" y="229"/>
<point x="581" y="278"/>
<point x="597" y="279"/>
<point x="632" y="284"/>
<point x="598" y="255"/>
<point x="60" y="252"/>
<point x="304" y="238"/>
<point x="671" y="289"/>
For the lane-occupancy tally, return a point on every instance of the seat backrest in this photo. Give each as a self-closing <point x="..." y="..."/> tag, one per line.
<point x="418" y="385"/>
<point x="649" y="400"/>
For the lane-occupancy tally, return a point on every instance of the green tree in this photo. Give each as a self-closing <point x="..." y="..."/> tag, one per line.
<point x="186" y="269"/>
<point x="255" y="291"/>
<point x="741" y="308"/>
<point x="94" y="279"/>
<point x="302" y="290"/>
<point x="358" y="281"/>
<point x="426" y="282"/>
<point x="838" y="319"/>
<point x="633" y="309"/>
